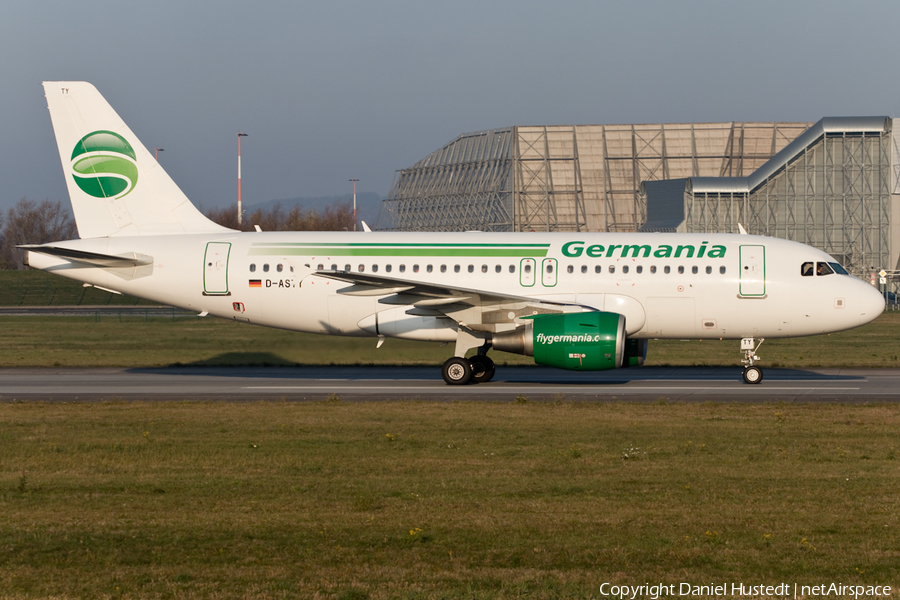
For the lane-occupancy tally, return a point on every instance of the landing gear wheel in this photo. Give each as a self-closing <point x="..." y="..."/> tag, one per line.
<point x="457" y="371"/>
<point x="753" y="375"/>
<point x="482" y="368"/>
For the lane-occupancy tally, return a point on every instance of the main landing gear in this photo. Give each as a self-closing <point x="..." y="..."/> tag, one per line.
<point x="752" y="373"/>
<point x="460" y="371"/>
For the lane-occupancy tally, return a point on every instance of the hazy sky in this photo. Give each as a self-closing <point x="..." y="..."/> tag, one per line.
<point x="350" y="88"/>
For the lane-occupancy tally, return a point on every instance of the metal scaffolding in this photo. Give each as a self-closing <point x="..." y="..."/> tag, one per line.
<point x="569" y="177"/>
<point x="548" y="192"/>
<point x="466" y="185"/>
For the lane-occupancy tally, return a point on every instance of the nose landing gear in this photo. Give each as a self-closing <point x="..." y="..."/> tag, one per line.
<point x="752" y="373"/>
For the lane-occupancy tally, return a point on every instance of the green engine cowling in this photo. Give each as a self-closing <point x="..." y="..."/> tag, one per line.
<point x="586" y="341"/>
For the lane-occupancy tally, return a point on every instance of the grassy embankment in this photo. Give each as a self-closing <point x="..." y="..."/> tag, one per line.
<point x="426" y="500"/>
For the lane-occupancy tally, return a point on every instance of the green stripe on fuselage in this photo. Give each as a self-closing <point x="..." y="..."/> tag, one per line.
<point x="396" y="245"/>
<point x="473" y="252"/>
<point x="387" y="249"/>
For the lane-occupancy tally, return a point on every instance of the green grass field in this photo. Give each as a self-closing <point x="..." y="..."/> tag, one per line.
<point x="39" y="288"/>
<point x="414" y="500"/>
<point x="139" y="342"/>
<point x="461" y="500"/>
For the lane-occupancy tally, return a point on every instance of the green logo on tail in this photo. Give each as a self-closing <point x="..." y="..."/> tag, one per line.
<point x="104" y="165"/>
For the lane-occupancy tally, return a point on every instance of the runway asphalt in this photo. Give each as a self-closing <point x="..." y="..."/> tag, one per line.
<point x="368" y="383"/>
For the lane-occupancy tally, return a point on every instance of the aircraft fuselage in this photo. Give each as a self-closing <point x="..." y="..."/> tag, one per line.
<point x="666" y="285"/>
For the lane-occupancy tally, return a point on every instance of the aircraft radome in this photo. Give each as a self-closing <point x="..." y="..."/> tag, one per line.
<point x="580" y="301"/>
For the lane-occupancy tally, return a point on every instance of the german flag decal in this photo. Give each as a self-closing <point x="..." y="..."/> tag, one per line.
<point x="256" y="283"/>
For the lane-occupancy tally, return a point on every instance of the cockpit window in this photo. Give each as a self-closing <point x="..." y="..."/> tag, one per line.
<point x="806" y="269"/>
<point x="838" y="268"/>
<point x="823" y="268"/>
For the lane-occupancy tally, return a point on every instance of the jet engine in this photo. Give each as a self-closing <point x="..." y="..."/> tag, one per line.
<point x="586" y="341"/>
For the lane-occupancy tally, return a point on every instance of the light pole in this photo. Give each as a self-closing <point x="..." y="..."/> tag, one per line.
<point x="156" y="152"/>
<point x="240" y="135"/>
<point x="354" y="203"/>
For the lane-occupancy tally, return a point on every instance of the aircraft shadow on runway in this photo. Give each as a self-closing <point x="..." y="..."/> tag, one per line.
<point x="265" y="365"/>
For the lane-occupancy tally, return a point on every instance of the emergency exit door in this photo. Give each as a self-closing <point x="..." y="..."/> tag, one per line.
<point x="753" y="271"/>
<point x="215" y="269"/>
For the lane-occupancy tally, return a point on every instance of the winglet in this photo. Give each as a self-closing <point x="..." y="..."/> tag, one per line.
<point x="365" y="227"/>
<point x="741" y="229"/>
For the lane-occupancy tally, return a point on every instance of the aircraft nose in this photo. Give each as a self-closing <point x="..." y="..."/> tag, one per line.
<point x="870" y="302"/>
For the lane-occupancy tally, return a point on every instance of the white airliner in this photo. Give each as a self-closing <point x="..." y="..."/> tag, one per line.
<point x="580" y="301"/>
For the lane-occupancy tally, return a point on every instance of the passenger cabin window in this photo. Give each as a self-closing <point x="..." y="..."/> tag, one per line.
<point x="512" y="268"/>
<point x="584" y="268"/>
<point x="456" y="268"/>
<point x="667" y="269"/>
<point x="429" y="268"/>
<point x="598" y="269"/>
<point x="528" y="268"/>
<point x="443" y="268"/>
<point x="570" y="269"/>
<point x="806" y="269"/>
<point x="612" y="269"/>
<point x="624" y="268"/>
<point x="387" y="268"/>
<point x="362" y="268"/>
<point x="252" y="267"/>
<point x="694" y="270"/>
<point x="402" y="268"/>
<point x="279" y="268"/>
<point x="681" y="270"/>
<point x="266" y="268"/>
<point x="374" y="268"/>
<point x="722" y="270"/>
<point x="347" y="268"/>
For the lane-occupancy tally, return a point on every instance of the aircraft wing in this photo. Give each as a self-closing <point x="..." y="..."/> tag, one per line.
<point x="479" y="310"/>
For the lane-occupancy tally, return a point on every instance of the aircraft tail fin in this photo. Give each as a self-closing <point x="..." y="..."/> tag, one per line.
<point x="116" y="186"/>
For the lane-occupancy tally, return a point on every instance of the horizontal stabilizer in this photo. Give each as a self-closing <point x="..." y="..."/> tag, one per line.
<point x="130" y="259"/>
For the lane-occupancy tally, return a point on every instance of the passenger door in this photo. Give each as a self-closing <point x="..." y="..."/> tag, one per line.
<point x="753" y="271"/>
<point x="215" y="269"/>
